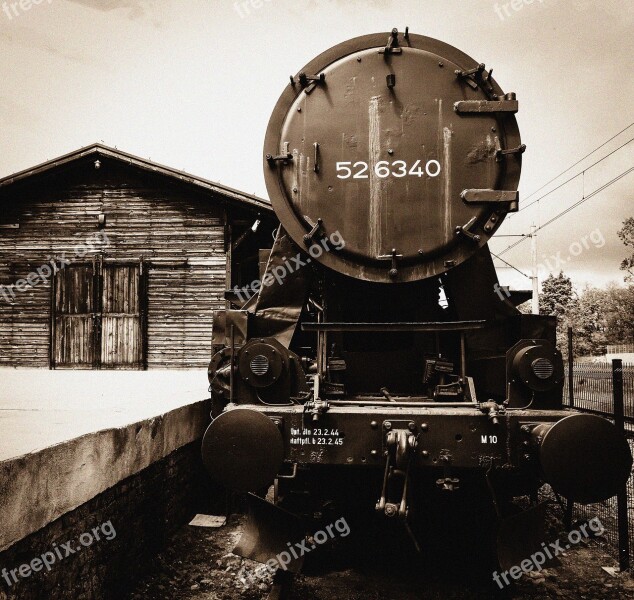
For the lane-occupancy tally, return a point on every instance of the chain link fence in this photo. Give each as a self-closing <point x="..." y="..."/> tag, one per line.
<point x="592" y="391"/>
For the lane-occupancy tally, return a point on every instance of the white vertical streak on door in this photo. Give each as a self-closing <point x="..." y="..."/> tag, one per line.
<point x="446" y="169"/>
<point x="374" y="146"/>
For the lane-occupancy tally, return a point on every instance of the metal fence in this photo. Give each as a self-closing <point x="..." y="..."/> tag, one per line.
<point x="593" y="391"/>
<point x="620" y="349"/>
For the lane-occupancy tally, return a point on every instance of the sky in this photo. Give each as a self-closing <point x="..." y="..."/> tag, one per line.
<point x="191" y="84"/>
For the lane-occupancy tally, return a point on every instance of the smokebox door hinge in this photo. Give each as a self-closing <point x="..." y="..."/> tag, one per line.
<point x="486" y="106"/>
<point x="308" y="83"/>
<point x="510" y="197"/>
<point x="393" y="257"/>
<point x="283" y="158"/>
<point x="471" y="76"/>
<point x="393" y="47"/>
<point x="466" y="230"/>
<point x="500" y="152"/>
<point x="316" y="231"/>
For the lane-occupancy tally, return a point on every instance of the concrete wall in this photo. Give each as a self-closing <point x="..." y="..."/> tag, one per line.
<point x="133" y="519"/>
<point x="40" y="487"/>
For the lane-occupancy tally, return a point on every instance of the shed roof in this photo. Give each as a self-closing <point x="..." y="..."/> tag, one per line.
<point x="102" y="151"/>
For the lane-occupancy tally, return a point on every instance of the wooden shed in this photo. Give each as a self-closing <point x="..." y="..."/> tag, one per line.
<point x="108" y="260"/>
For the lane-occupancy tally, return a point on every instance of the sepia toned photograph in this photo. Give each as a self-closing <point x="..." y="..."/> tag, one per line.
<point x="316" y="300"/>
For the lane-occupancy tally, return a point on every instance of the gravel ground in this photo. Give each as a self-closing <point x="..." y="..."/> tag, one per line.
<point x="198" y="565"/>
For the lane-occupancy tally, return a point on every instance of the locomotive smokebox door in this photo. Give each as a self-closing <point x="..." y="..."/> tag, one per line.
<point x="410" y="153"/>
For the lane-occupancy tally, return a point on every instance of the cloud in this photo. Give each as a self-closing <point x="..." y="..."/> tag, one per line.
<point x="373" y="3"/>
<point x="299" y="6"/>
<point x="29" y="38"/>
<point x="136" y="8"/>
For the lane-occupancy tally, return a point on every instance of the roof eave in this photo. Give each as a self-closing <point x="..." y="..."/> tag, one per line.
<point x="141" y="163"/>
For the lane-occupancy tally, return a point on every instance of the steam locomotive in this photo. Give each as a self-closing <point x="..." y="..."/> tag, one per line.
<point x="377" y="357"/>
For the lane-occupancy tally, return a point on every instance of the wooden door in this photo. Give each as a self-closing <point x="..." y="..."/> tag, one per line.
<point x="99" y="318"/>
<point x="121" y="339"/>
<point x="75" y="317"/>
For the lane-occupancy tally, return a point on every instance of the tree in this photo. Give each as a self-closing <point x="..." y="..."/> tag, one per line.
<point x="557" y="299"/>
<point x="598" y="317"/>
<point x="556" y="296"/>
<point x="626" y="233"/>
<point x="588" y="318"/>
<point x="619" y="314"/>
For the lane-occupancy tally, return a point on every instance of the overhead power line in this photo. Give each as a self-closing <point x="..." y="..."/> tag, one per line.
<point x="567" y="210"/>
<point x="511" y="266"/>
<point x="579" y="161"/>
<point x="600" y="189"/>
<point x="572" y="178"/>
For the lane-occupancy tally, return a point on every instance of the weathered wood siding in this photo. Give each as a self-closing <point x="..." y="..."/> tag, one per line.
<point x="176" y="231"/>
<point x="179" y="304"/>
<point x="121" y="321"/>
<point x="74" y="309"/>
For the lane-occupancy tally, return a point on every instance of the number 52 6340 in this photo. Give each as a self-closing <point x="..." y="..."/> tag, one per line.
<point x="384" y="169"/>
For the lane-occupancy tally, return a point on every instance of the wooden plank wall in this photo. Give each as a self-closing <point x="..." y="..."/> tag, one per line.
<point x="179" y="234"/>
<point x="74" y="308"/>
<point x="180" y="302"/>
<point x="121" y="333"/>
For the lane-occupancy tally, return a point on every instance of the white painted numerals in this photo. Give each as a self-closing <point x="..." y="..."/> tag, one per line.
<point x="383" y="169"/>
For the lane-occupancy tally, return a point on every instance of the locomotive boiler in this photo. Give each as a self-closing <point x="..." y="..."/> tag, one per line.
<point x="377" y="358"/>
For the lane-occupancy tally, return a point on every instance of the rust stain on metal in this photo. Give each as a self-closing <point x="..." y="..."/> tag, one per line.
<point x="481" y="152"/>
<point x="316" y="456"/>
<point x="349" y="92"/>
<point x="351" y="141"/>
<point x="411" y="114"/>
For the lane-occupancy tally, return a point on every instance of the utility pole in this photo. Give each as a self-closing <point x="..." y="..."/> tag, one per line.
<point x="535" y="277"/>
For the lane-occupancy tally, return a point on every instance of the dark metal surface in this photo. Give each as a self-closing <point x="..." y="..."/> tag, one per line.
<point x="243" y="450"/>
<point x="520" y="536"/>
<point x="395" y="350"/>
<point x="486" y="106"/>
<point x="355" y="435"/>
<point x="584" y="458"/>
<point x="428" y="327"/>
<point x="475" y="196"/>
<point x="535" y="374"/>
<point x="282" y="292"/>
<point x="261" y="363"/>
<point x="394" y="106"/>
<point x="268" y="532"/>
<point x="621" y="495"/>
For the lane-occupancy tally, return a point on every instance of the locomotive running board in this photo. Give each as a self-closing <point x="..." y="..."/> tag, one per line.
<point x="268" y="532"/>
<point x="521" y="536"/>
